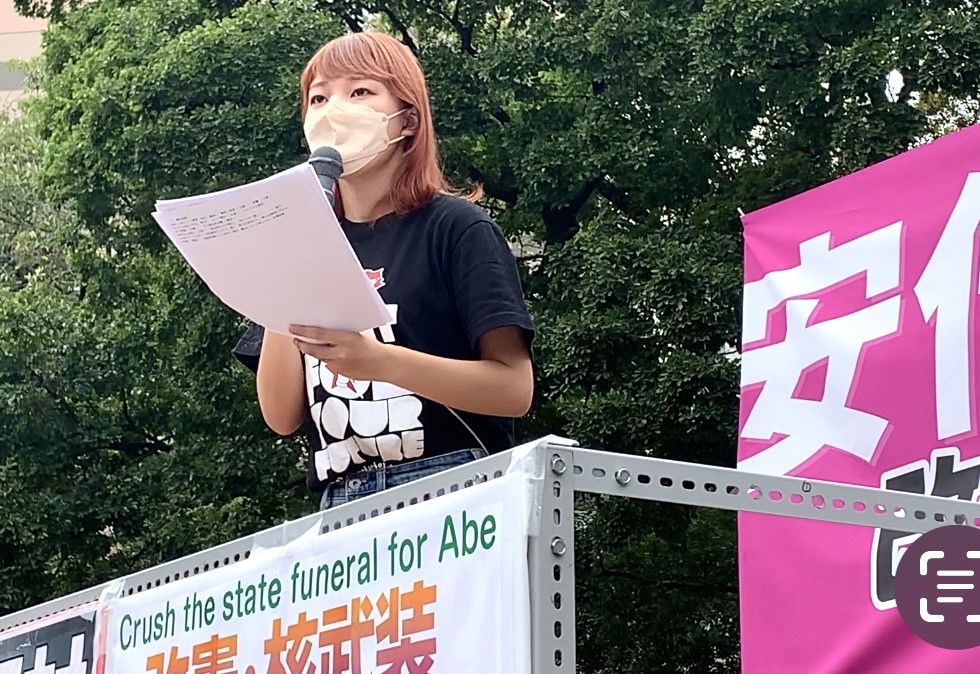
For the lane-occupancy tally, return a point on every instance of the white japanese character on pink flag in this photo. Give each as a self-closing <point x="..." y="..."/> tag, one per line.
<point x="810" y="425"/>
<point x="945" y="292"/>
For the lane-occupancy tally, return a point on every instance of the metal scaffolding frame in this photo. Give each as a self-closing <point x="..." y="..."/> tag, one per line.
<point x="551" y="553"/>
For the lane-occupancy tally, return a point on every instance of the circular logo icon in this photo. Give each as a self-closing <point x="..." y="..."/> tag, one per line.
<point x="937" y="587"/>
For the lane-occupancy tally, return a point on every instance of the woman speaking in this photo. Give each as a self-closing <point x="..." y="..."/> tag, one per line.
<point x="442" y="383"/>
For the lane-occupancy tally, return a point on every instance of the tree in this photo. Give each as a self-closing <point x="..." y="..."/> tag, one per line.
<point x="129" y="438"/>
<point x="622" y="137"/>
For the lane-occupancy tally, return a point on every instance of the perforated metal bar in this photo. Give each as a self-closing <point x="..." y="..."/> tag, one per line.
<point x="730" y="489"/>
<point x="551" y="560"/>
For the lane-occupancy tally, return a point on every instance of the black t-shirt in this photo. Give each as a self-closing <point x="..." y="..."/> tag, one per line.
<point x="448" y="277"/>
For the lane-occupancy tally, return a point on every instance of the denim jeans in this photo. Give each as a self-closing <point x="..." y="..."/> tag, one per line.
<point x="379" y="477"/>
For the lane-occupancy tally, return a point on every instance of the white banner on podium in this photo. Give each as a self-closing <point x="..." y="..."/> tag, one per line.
<point x="440" y="587"/>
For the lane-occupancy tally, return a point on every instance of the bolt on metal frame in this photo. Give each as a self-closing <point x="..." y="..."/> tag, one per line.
<point x="551" y="553"/>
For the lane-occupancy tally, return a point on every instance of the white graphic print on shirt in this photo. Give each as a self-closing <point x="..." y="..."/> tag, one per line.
<point x="358" y="421"/>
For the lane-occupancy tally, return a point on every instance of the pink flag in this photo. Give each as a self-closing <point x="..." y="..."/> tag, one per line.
<point x="859" y="366"/>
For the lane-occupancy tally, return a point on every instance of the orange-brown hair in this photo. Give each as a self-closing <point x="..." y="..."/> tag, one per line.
<point x="377" y="56"/>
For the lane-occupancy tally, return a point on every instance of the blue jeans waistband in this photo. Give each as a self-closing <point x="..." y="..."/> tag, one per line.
<point x="380" y="476"/>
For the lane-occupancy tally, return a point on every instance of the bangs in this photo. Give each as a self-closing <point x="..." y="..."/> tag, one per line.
<point x="355" y="55"/>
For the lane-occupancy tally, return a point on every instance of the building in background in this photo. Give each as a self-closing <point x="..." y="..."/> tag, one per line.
<point x="20" y="39"/>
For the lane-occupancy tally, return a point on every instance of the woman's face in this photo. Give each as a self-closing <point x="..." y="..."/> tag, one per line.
<point x="364" y="91"/>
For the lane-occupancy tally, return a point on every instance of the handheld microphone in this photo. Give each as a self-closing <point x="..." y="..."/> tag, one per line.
<point x="328" y="166"/>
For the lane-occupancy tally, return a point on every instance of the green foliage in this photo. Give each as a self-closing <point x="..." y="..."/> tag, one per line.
<point x="129" y="435"/>
<point x="655" y="599"/>
<point x="639" y="327"/>
<point x="29" y="227"/>
<point x="620" y="137"/>
<point x="167" y="101"/>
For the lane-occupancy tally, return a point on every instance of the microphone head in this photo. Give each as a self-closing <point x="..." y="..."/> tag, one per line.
<point x="327" y="163"/>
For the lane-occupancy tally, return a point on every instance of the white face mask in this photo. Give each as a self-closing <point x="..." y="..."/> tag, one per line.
<point x="357" y="132"/>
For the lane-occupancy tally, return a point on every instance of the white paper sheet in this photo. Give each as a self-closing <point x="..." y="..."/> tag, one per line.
<point x="274" y="252"/>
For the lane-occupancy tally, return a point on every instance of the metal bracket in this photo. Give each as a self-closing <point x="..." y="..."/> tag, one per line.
<point x="551" y="561"/>
<point x="730" y="489"/>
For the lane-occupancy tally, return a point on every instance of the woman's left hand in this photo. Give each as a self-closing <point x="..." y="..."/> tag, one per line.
<point x="360" y="357"/>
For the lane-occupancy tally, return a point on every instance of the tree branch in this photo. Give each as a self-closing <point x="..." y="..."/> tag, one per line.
<point x="125" y="408"/>
<point x="399" y="26"/>
<point x="149" y="442"/>
<point x="352" y="23"/>
<point x="830" y="42"/>
<point x="876" y="92"/>
<point x="500" y="115"/>
<point x="561" y="223"/>
<point x="501" y="189"/>
<point x="616" y="196"/>
<point x="465" y="32"/>
<point x="583" y="194"/>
